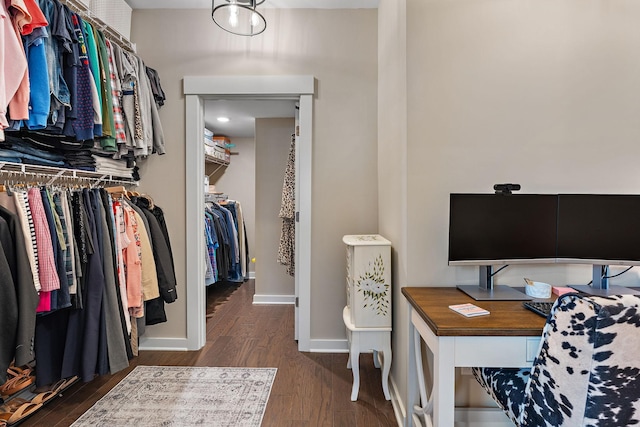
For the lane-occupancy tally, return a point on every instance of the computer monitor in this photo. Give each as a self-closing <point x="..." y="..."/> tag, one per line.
<point x="602" y="230"/>
<point x="498" y="229"/>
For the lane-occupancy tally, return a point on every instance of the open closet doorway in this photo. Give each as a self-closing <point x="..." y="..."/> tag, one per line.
<point x="259" y="132"/>
<point x="197" y="91"/>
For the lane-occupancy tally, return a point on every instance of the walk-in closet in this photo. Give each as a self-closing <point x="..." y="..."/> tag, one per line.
<point x="258" y="138"/>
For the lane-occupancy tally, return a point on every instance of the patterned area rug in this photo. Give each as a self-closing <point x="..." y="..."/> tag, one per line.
<point x="152" y="396"/>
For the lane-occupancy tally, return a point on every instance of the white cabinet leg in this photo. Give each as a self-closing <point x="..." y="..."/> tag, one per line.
<point x="386" y="366"/>
<point x="354" y="357"/>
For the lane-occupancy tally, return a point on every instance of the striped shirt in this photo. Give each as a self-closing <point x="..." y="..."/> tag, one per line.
<point x="29" y="232"/>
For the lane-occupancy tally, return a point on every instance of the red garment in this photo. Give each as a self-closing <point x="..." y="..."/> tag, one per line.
<point x="27" y="15"/>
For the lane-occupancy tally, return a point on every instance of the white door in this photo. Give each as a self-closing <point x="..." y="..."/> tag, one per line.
<point x="297" y="239"/>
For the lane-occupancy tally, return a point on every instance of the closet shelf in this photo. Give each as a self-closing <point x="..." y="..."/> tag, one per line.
<point x="19" y="171"/>
<point x="214" y="160"/>
<point x="211" y="159"/>
<point x="82" y="8"/>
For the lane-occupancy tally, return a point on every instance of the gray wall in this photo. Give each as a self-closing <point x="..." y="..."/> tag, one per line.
<point x="392" y="166"/>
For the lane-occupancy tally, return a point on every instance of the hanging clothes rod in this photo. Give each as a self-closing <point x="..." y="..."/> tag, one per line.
<point x="53" y="174"/>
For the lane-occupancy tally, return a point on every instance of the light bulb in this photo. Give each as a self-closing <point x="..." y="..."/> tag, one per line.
<point x="233" y="16"/>
<point x="255" y="20"/>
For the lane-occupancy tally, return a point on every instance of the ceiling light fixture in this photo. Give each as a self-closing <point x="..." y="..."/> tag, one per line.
<point x="238" y="17"/>
<point x="223" y="119"/>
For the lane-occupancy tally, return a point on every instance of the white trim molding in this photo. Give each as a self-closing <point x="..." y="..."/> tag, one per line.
<point x="197" y="89"/>
<point x="250" y="86"/>
<point x="481" y="417"/>
<point x="163" y="344"/>
<point x="329" y="346"/>
<point x="194" y="158"/>
<point x="274" y="299"/>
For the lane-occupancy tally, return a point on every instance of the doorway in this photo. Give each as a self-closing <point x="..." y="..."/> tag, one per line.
<point x="197" y="90"/>
<point x="259" y="132"/>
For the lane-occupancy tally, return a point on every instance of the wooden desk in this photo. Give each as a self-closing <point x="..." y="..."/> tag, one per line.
<point x="508" y="337"/>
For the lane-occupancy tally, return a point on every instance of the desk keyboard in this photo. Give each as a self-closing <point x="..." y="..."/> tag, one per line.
<point x="543" y="308"/>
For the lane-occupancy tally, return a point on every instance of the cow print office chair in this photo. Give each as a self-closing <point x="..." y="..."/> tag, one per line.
<point x="586" y="373"/>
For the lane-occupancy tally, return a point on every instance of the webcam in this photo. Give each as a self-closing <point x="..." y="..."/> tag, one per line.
<point x="506" y="188"/>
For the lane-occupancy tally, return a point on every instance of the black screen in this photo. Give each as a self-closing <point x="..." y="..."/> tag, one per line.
<point x="485" y="227"/>
<point x="599" y="227"/>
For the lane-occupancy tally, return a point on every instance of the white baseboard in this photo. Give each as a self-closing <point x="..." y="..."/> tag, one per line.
<point x="274" y="299"/>
<point x="329" y="346"/>
<point x="397" y="403"/>
<point x="464" y="417"/>
<point x="163" y="344"/>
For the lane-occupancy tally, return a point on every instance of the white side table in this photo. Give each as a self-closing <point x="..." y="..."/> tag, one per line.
<point x="365" y="339"/>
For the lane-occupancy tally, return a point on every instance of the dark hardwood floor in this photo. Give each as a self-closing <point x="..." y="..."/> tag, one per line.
<point x="310" y="389"/>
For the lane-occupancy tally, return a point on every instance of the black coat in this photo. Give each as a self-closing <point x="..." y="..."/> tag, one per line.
<point x="8" y="310"/>
<point x="26" y="294"/>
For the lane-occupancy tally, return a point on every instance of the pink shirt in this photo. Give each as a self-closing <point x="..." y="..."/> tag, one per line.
<point x="133" y="261"/>
<point x="13" y="63"/>
<point x="49" y="279"/>
<point x="26" y="15"/>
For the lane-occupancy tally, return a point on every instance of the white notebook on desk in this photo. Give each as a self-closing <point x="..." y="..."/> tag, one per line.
<point x="469" y="310"/>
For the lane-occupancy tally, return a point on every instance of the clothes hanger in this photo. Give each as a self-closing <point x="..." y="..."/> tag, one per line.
<point x="117" y="192"/>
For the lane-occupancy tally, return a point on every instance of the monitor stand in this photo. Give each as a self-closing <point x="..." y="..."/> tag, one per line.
<point x="611" y="290"/>
<point x="600" y="284"/>
<point x="496" y="293"/>
<point x="487" y="291"/>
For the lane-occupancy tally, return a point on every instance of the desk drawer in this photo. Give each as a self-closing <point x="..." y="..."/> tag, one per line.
<point x="505" y="352"/>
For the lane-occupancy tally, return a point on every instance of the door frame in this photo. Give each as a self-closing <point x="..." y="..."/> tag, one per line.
<point x="198" y="89"/>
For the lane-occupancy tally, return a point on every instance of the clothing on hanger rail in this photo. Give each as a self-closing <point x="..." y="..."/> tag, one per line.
<point x="82" y="246"/>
